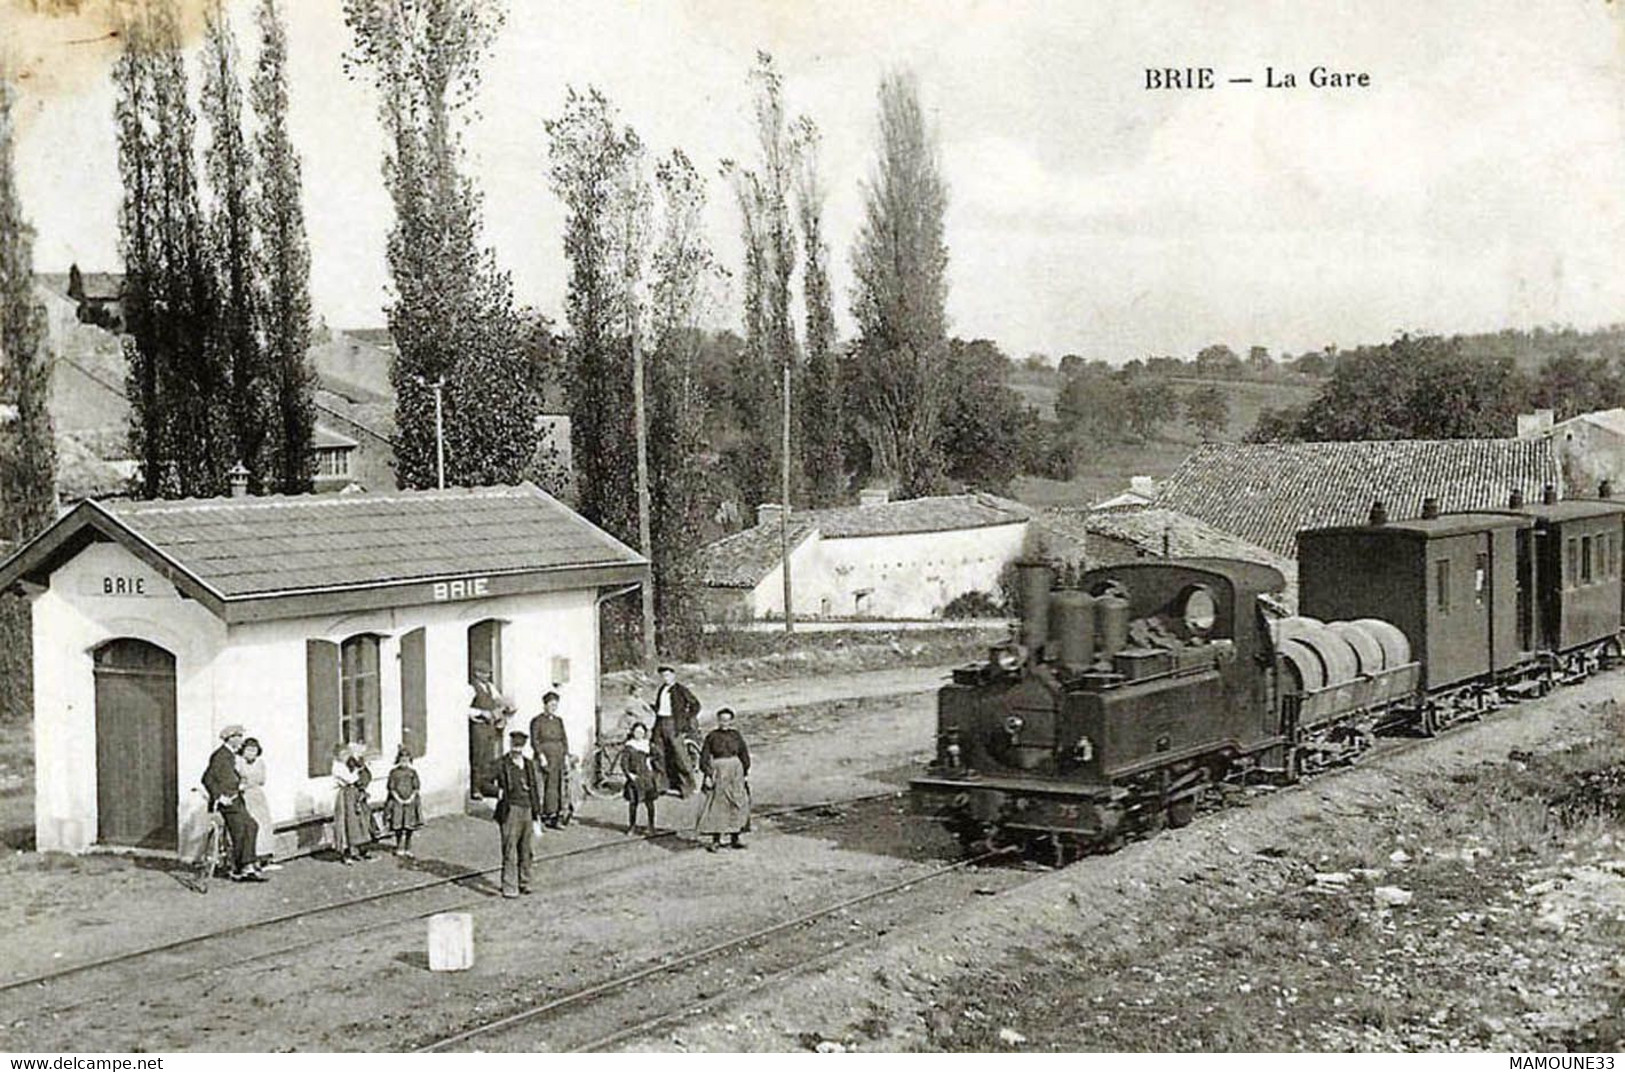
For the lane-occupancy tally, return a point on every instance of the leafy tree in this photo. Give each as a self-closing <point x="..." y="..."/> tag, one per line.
<point x="453" y="316"/>
<point x="1217" y="361"/>
<point x="1070" y="366"/>
<point x="1277" y="425"/>
<point x="1207" y="410"/>
<point x="588" y="151"/>
<point x="177" y="384"/>
<point x="901" y="260"/>
<point x="769" y="363"/>
<point x="685" y="274"/>
<point x="819" y="394"/>
<point x="27" y="446"/>
<point x="284" y="266"/>
<point x="1148" y="403"/>
<point x="229" y="165"/>
<point x="984" y="422"/>
<point x="1570" y="384"/>
<point x="1093" y="406"/>
<point x="1259" y="360"/>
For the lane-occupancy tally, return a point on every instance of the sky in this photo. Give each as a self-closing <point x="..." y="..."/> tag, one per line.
<point x="1477" y="183"/>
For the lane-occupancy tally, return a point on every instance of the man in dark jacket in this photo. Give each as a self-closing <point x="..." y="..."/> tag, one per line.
<point x="677" y="715"/>
<point x="551" y="744"/>
<point x="224" y="786"/>
<point x="519" y="808"/>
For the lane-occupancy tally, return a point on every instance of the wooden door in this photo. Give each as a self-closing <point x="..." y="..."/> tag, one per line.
<point x="136" y="791"/>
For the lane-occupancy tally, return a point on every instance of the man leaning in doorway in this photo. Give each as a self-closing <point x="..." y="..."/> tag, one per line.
<point x="676" y="716"/>
<point x="225" y="789"/>
<point x="488" y="713"/>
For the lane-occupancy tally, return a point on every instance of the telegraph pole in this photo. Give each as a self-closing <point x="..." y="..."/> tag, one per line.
<point x="784" y="511"/>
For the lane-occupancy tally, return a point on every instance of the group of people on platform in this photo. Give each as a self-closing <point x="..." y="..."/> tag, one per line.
<point x="654" y="761"/>
<point x="531" y="789"/>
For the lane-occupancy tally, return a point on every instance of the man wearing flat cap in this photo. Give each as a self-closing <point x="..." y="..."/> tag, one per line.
<point x="519" y="808"/>
<point x="225" y="789"/>
<point x="488" y="713"/>
<point x="677" y="715"/>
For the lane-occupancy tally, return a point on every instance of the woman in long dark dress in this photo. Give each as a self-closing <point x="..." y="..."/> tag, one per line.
<point x="642" y="783"/>
<point x="725" y="763"/>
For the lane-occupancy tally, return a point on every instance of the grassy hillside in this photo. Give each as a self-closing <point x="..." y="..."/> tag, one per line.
<point x="1107" y="471"/>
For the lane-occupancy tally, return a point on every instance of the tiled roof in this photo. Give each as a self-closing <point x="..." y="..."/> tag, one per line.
<point x="1266" y="492"/>
<point x="743" y="559"/>
<point x="323" y="436"/>
<point x="940" y="513"/>
<point x="275" y="544"/>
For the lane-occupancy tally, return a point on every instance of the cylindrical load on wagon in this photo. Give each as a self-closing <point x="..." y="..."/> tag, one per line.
<point x="1305" y="663"/>
<point x="1111" y="625"/>
<point x="1336" y="656"/>
<point x="1072" y="628"/>
<point x="1035" y="581"/>
<point x="1366" y="647"/>
<point x="1396" y="647"/>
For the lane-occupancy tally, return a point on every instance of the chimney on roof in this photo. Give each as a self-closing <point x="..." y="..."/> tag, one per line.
<point x="239" y="481"/>
<point x="1143" y="486"/>
<point x="1430" y="507"/>
<point x="768" y="514"/>
<point x="1379" y="513"/>
<point x="874" y="496"/>
<point x="1536" y="424"/>
<point x="1515" y="501"/>
<point x="1548" y="494"/>
<point x="1605" y="490"/>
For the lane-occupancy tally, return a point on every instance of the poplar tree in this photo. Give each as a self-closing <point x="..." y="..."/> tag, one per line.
<point x="178" y="383"/>
<point x="229" y="165"/>
<point x="27" y="446"/>
<point x="284" y="253"/>
<point x="818" y="398"/>
<point x="685" y="277"/>
<point x="453" y="317"/>
<point x="899" y="365"/>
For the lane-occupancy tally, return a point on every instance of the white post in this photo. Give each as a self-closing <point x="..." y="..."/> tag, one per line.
<point x="439" y="434"/>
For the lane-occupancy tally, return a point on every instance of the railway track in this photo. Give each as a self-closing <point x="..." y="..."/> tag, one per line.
<point x="127" y="968"/>
<point x="766" y="956"/>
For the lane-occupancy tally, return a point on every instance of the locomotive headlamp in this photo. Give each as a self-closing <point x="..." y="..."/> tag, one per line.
<point x="1013" y="724"/>
<point x="953" y="753"/>
<point x="1009" y="658"/>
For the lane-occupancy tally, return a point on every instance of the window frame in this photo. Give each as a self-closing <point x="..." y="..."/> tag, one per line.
<point x="1441" y="585"/>
<point x="354" y="694"/>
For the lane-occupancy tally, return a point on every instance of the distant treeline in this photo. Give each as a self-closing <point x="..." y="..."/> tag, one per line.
<point x="1457" y="387"/>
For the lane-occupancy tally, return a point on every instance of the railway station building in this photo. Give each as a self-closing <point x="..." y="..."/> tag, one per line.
<point x="310" y="620"/>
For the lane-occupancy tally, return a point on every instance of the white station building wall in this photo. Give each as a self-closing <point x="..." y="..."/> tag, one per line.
<point x="255" y="674"/>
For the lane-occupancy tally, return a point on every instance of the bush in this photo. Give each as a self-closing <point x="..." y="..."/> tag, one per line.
<point x="973" y="604"/>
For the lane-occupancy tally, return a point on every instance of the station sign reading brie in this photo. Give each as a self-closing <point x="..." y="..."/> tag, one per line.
<point x="471" y="588"/>
<point x="124" y="586"/>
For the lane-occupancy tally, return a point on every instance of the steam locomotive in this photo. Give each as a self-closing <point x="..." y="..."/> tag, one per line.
<point x="1122" y="700"/>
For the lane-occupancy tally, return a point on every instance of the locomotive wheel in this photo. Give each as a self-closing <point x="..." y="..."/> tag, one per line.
<point x="1181" y="812"/>
<point x="1430" y="723"/>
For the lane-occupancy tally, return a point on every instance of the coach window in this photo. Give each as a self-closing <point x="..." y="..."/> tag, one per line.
<point x="1585" y="560"/>
<point x="1572" y="576"/>
<point x="1441" y="573"/>
<point x="1481" y="572"/>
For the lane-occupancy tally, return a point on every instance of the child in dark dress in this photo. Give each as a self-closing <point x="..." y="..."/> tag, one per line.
<point x="403" y="811"/>
<point x="642" y="784"/>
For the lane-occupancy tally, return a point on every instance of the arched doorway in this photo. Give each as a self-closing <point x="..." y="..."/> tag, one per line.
<point x="136" y="790"/>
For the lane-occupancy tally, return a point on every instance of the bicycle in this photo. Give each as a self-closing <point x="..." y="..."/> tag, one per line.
<point x="215" y="854"/>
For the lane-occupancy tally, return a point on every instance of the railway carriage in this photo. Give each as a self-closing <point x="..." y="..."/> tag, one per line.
<point x="1577" y="550"/>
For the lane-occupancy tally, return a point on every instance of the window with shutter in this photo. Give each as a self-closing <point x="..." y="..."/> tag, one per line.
<point x="414" y="694"/>
<point x="322" y="704"/>
<point x="359" y="717"/>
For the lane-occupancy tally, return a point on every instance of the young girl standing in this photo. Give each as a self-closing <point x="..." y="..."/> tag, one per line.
<point x="642" y="785"/>
<point x="402" y="812"/>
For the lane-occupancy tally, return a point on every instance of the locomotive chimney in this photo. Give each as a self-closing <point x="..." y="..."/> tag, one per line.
<point x="1035" y="581"/>
<point x="1515" y="502"/>
<point x="1379" y="513"/>
<point x="1430" y="507"/>
<point x="1605" y="490"/>
<point x="1548" y="494"/>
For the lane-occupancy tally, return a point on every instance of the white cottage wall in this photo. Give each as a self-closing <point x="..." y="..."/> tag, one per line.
<point x="909" y="575"/>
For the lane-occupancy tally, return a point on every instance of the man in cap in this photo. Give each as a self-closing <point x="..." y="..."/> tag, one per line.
<point x="519" y="808"/>
<point x="488" y="713"/>
<point x="676" y="717"/>
<point x="224" y="787"/>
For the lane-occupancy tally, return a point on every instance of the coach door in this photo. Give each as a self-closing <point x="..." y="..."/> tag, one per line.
<point x="136" y="793"/>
